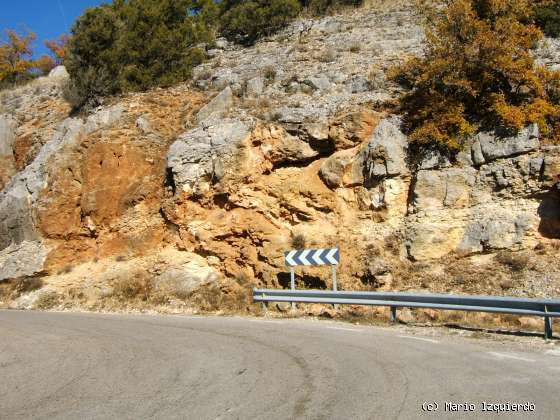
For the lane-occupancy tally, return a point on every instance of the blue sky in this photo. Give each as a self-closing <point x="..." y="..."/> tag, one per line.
<point x="47" y="18"/>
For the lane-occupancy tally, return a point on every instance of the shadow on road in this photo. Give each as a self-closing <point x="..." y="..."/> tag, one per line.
<point x="499" y="331"/>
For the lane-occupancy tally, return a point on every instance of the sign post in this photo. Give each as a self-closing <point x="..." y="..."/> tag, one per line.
<point x="293" y="283"/>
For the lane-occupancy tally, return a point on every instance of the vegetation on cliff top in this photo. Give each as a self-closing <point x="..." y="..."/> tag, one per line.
<point x="135" y="45"/>
<point x="139" y="44"/>
<point x="547" y="17"/>
<point x="478" y="72"/>
<point x="17" y="64"/>
<point x="246" y="21"/>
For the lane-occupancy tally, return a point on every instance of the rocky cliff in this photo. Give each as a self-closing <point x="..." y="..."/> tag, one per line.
<point x="187" y="197"/>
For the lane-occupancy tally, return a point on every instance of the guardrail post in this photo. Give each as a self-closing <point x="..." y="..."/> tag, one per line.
<point x="293" y="283"/>
<point x="264" y="307"/>
<point x="393" y="314"/>
<point x="547" y="325"/>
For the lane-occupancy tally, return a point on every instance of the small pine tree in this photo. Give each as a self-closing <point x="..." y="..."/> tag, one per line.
<point x="136" y="45"/>
<point x="320" y="7"/>
<point x="247" y="21"/>
<point x="547" y="17"/>
<point x="92" y="60"/>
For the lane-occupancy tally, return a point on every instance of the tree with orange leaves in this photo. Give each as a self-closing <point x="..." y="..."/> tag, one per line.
<point x="59" y="48"/>
<point x="44" y="64"/>
<point x="16" y="57"/>
<point x="477" y="72"/>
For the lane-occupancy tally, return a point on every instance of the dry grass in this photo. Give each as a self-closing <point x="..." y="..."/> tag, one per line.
<point x="140" y="291"/>
<point x="298" y="241"/>
<point x="137" y="286"/>
<point x="175" y="289"/>
<point x="355" y="47"/>
<point x="393" y="243"/>
<point x="372" y="251"/>
<point x="230" y="297"/>
<point x="376" y="77"/>
<point x="207" y="298"/>
<point x="260" y="106"/>
<point x="204" y="75"/>
<point x="66" y="269"/>
<point x="12" y="289"/>
<point x="275" y="116"/>
<point x="516" y="261"/>
<point x="238" y="298"/>
<point x="48" y="300"/>
<point x="269" y="74"/>
<point x="328" y="56"/>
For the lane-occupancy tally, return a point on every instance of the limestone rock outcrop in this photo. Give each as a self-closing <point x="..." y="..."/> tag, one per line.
<point x="218" y="106"/>
<point x="22" y="259"/>
<point x="490" y="146"/>
<point x="496" y="204"/>
<point x="386" y="152"/>
<point x="203" y="155"/>
<point x="90" y="190"/>
<point x="59" y="72"/>
<point x="7" y="138"/>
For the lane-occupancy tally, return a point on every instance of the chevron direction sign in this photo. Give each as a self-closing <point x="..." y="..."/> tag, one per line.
<point x="312" y="257"/>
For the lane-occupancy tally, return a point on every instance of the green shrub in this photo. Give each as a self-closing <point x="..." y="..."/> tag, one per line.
<point x="548" y="19"/>
<point x="246" y="21"/>
<point x="320" y="7"/>
<point x="136" y="45"/>
<point x="131" y="45"/>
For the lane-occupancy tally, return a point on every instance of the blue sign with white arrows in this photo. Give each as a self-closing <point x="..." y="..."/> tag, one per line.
<point x="312" y="257"/>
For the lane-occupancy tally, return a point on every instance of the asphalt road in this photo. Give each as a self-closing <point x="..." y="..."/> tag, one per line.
<point x="88" y="366"/>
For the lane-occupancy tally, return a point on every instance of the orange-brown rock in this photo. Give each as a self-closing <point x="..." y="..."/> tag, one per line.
<point x="351" y="129"/>
<point x="104" y="194"/>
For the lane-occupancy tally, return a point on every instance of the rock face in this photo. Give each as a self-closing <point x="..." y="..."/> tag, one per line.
<point x="19" y="200"/>
<point x="22" y="260"/>
<point x="491" y="206"/>
<point x="59" y="72"/>
<point x="91" y="190"/>
<point x="7" y="138"/>
<point x="385" y="154"/>
<point x="186" y="278"/>
<point x="217" y="106"/>
<point x="202" y="156"/>
<point x="489" y="146"/>
<point x="343" y="169"/>
<point x="204" y="191"/>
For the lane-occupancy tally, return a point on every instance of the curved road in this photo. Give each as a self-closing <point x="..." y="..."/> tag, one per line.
<point x="89" y="366"/>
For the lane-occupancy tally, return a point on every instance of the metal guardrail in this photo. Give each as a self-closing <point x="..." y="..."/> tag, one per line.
<point x="546" y="308"/>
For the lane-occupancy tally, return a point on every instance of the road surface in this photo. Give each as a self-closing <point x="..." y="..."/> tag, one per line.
<point x="90" y="366"/>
